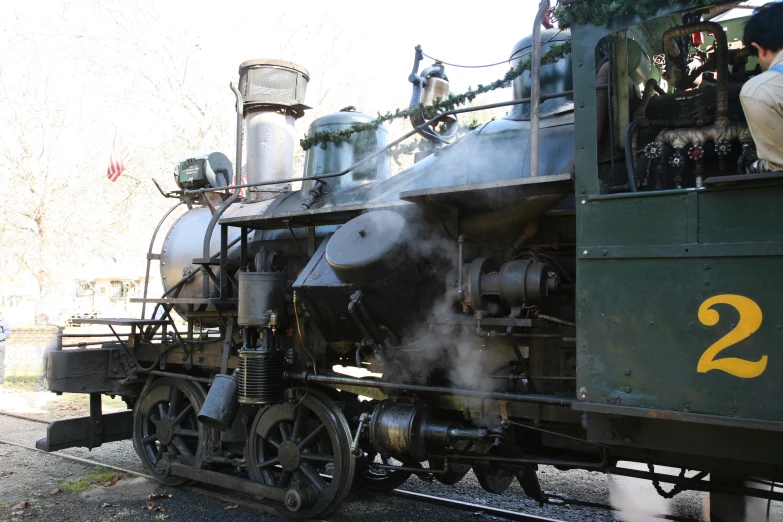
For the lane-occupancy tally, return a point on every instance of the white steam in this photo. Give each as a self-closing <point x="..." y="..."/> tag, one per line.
<point x="636" y="500"/>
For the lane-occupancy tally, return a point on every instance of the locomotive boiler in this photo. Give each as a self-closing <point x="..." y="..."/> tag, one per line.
<point x="544" y="290"/>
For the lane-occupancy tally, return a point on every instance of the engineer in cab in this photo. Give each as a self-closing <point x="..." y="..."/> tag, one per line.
<point x="762" y="96"/>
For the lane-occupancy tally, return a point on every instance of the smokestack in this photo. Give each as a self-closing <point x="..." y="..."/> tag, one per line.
<point x="273" y="93"/>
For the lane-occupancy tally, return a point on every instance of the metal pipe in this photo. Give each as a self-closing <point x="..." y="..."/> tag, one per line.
<point x="178" y="376"/>
<point x="408" y="469"/>
<point x="532" y="378"/>
<point x="85" y="335"/>
<point x="393" y="144"/>
<point x="503" y="396"/>
<point x="85" y="344"/>
<point x="630" y="153"/>
<point x="460" y="267"/>
<point x="650" y="87"/>
<point x="235" y="195"/>
<point x="517" y="460"/>
<point x="721" y="55"/>
<point x="535" y="88"/>
<point x="610" y="105"/>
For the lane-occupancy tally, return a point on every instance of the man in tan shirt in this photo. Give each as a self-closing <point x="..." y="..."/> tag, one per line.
<point x="762" y="96"/>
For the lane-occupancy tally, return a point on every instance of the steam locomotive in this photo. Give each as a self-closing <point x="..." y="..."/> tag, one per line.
<point x="589" y="280"/>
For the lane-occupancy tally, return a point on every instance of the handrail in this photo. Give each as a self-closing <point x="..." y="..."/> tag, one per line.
<point x="535" y="89"/>
<point x="149" y="253"/>
<point x="392" y="144"/>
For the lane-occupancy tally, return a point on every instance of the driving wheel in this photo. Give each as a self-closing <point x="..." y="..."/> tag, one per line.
<point x="165" y="425"/>
<point x="292" y="444"/>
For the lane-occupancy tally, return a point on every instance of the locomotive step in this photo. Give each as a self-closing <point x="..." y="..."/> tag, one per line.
<point x="115" y="321"/>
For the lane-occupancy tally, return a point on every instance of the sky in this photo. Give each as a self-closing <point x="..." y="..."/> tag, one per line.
<point x="93" y="56"/>
<point x="358" y="53"/>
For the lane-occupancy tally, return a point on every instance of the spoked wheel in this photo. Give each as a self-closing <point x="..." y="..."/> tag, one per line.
<point x="456" y="471"/>
<point x="375" y="479"/>
<point x="491" y="479"/>
<point x="291" y="444"/>
<point x="164" y="422"/>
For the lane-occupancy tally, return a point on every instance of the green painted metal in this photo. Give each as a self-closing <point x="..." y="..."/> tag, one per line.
<point x="646" y="265"/>
<point x="687" y="444"/>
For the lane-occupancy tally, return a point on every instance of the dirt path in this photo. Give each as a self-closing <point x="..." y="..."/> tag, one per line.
<point x="23" y="396"/>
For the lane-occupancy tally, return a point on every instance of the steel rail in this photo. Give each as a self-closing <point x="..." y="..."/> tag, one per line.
<point x="419" y="497"/>
<point x="257" y="506"/>
<point x="24" y="417"/>
<point x="467" y="506"/>
<point x="454" y="504"/>
<point x="77" y="459"/>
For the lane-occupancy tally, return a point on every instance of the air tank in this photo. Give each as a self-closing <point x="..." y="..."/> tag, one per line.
<point x="185" y="242"/>
<point x="555" y="77"/>
<point x="336" y="157"/>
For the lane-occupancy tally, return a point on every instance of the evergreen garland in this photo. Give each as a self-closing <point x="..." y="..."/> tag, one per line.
<point x="601" y="12"/>
<point x="452" y="101"/>
<point x="419" y="145"/>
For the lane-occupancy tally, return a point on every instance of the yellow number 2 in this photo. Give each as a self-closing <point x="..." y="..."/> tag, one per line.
<point x="749" y="322"/>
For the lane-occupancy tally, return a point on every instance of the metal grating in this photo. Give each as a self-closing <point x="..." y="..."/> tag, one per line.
<point x="272" y="82"/>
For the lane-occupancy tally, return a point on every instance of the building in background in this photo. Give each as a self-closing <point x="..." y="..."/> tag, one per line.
<point x="105" y="289"/>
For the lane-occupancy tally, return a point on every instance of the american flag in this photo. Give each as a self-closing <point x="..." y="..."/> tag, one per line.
<point x="118" y="159"/>
<point x="242" y="181"/>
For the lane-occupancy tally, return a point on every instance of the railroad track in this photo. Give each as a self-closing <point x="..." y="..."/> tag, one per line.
<point x="224" y="495"/>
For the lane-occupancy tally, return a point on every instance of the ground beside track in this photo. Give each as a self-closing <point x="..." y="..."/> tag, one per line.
<point x="36" y="472"/>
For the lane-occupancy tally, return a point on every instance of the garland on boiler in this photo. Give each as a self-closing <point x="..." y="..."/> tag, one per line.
<point x="601" y="12"/>
<point x="450" y="102"/>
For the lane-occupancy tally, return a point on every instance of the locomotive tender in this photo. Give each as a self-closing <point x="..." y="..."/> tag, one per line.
<point x="586" y="281"/>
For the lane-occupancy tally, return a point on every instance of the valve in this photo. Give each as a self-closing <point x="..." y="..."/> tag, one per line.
<point x="677" y="160"/>
<point x="696" y="153"/>
<point x="653" y="150"/>
<point x="723" y="147"/>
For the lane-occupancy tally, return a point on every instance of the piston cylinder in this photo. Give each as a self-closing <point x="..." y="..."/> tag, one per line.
<point x="401" y="429"/>
<point x="516" y="283"/>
